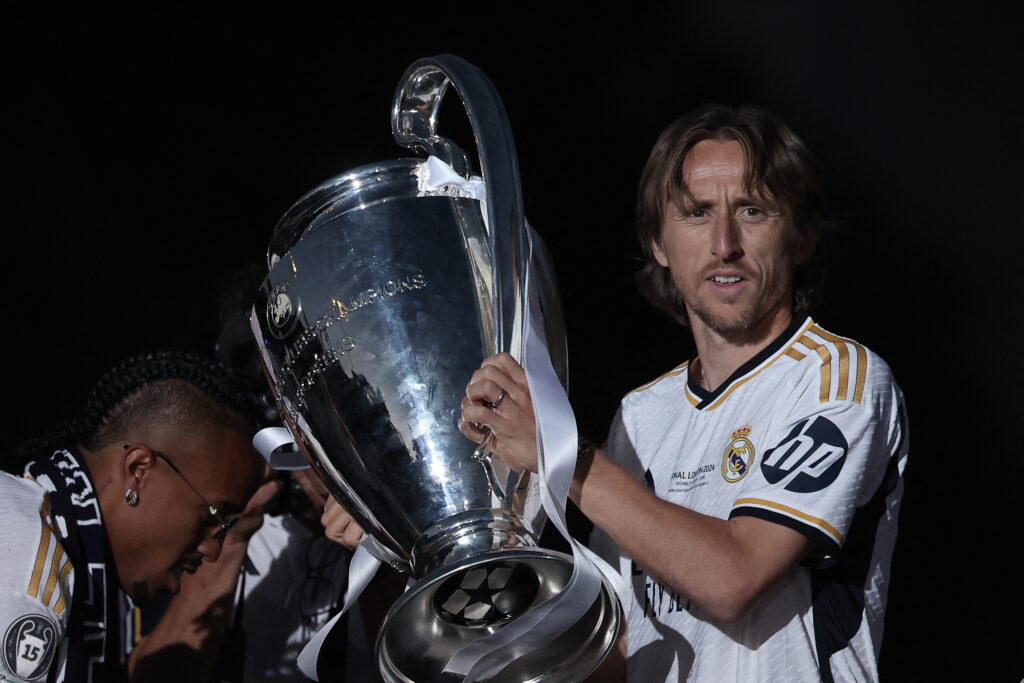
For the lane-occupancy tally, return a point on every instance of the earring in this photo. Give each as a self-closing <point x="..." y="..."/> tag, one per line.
<point x="131" y="496"/>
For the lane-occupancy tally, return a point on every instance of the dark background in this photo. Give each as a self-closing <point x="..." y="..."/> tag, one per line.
<point x="149" y="155"/>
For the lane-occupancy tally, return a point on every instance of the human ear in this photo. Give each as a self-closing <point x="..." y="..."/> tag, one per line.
<point x="135" y="465"/>
<point x="658" y="251"/>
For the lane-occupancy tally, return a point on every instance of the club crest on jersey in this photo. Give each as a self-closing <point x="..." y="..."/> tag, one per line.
<point x="29" y="645"/>
<point x="739" y="456"/>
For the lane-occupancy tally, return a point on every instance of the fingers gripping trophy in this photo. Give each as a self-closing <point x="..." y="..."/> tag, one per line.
<point x="387" y="287"/>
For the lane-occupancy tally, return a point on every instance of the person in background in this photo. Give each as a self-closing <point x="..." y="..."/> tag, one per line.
<point x="145" y="488"/>
<point x="247" y="617"/>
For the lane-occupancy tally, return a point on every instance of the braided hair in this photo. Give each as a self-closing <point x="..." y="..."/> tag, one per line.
<point x="178" y="388"/>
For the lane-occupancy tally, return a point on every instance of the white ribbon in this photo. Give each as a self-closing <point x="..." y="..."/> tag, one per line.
<point x="269" y="440"/>
<point x="434" y="176"/>
<point x="557" y="443"/>
<point x="361" y="569"/>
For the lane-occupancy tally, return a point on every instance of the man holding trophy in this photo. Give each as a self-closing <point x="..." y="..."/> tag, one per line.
<point x="745" y="505"/>
<point x="749" y="497"/>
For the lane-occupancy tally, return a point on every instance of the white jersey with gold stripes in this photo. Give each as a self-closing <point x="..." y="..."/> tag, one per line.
<point x="811" y="434"/>
<point x="36" y="577"/>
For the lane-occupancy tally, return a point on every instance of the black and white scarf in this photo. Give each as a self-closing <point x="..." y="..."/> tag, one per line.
<point x="94" y="625"/>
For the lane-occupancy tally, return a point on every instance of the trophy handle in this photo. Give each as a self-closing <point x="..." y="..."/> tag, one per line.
<point x="414" y="126"/>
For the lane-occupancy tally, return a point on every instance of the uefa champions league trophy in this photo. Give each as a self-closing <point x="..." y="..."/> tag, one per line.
<point x="388" y="285"/>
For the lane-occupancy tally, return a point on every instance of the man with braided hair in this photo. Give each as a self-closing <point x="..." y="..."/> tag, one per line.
<point x="144" y="488"/>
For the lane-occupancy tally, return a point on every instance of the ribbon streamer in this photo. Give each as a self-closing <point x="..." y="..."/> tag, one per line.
<point x="270" y="440"/>
<point x="361" y="569"/>
<point x="557" y="442"/>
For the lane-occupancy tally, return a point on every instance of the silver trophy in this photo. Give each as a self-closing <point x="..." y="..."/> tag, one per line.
<point x="385" y="292"/>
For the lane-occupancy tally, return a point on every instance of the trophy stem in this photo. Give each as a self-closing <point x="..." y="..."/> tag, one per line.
<point x="478" y="595"/>
<point x="467" y="533"/>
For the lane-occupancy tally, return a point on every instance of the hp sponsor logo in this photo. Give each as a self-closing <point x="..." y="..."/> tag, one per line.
<point x="811" y="457"/>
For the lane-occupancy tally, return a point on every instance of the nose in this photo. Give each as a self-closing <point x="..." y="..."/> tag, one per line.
<point x="725" y="239"/>
<point x="210" y="547"/>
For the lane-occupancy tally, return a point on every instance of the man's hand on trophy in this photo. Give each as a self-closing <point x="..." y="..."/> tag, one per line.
<point x="498" y="409"/>
<point x="339" y="526"/>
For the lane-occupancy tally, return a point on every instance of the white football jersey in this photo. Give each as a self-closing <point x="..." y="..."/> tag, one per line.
<point x="811" y="434"/>
<point x="36" y="577"/>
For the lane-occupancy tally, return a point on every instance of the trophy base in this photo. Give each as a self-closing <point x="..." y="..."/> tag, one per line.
<point x="461" y="602"/>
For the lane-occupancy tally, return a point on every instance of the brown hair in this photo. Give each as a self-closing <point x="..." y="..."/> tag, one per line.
<point x="777" y="161"/>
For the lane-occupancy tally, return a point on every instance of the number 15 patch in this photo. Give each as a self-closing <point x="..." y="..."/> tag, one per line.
<point x="811" y="457"/>
<point x="29" y="645"/>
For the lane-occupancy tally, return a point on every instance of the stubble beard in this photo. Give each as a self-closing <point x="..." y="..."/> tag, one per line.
<point x="720" y="325"/>
<point x="740" y="326"/>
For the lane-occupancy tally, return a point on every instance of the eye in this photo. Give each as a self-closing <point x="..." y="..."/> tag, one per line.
<point x="753" y="214"/>
<point x="693" y="215"/>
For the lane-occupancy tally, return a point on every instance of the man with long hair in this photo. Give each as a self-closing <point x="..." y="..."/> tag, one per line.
<point x="750" y="495"/>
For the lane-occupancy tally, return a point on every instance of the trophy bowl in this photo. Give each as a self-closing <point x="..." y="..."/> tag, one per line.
<point x="387" y="287"/>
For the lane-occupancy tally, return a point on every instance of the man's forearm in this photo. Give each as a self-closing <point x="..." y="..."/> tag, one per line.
<point x="186" y="641"/>
<point x="722" y="565"/>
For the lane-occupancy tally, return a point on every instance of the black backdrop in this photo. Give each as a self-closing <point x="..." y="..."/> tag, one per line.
<point x="149" y="155"/>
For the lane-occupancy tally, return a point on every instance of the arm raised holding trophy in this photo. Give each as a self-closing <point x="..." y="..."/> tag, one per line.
<point x="750" y="495"/>
<point x="727" y="563"/>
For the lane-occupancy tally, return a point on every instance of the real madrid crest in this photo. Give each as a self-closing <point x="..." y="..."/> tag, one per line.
<point x="739" y="456"/>
<point x="283" y="308"/>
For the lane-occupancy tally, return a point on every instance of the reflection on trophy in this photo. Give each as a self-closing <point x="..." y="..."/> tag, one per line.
<point x="388" y="286"/>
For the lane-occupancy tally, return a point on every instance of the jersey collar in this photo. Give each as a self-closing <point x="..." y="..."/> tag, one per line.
<point x="703" y="399"/>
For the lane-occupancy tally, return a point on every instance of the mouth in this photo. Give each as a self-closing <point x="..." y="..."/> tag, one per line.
<point x="177" y="571"/>
<point x="187" y="565"/>
<point x="725" y="281"/>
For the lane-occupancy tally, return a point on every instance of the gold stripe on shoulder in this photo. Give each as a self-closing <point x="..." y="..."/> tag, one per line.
<point x="844" y="364"/>
<point x="51" y="581"/>
<point x="794" y="354"/>
<point x="826" y="365"/>
<point x="671" y="373"/>
<point x="844" y="361"/>
<point x="43" y="551"/>
<point x="61" y="599"/>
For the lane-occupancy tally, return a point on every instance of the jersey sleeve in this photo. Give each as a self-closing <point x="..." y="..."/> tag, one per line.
<point x="36" y="578"/>
<point x="827" y="458"/>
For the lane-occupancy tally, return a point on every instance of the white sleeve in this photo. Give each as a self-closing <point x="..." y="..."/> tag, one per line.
<point x="826" y="460"/>
<point x="36" y="577"/>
